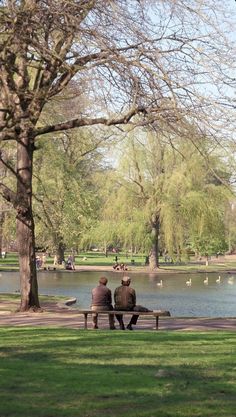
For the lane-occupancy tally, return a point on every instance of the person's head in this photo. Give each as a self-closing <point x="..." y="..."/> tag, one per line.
<point x="126" y="281"/>
<point x="103" y="281"/>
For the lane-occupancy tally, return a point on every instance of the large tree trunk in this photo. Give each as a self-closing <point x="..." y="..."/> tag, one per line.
<point x="2" y="218"/>
<point x="25" y="225"/>
<point x="60" y="252"/>
<point x="153" y="256"/>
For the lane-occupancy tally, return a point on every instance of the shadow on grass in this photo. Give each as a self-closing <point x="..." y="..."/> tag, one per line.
<point x="63" y="372"/>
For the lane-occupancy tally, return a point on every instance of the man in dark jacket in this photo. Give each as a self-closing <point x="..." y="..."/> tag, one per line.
<point x="125" y="299"/>
<point x="102" y="301"/>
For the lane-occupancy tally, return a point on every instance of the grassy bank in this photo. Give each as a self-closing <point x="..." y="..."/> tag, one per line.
<point x="11" y="302"/>
<point x="63" y="373"/>
<point x="85" y="258"/>
<point x="134" y="262"/>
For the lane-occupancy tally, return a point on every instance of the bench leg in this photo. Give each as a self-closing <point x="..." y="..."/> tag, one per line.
<point x="86" y="320"/>
<point x="157" y="320"/>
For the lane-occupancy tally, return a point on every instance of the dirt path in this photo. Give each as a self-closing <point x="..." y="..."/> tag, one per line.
<point x="54" y="315"/>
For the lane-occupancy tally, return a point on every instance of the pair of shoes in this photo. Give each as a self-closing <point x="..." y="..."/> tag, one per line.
<point x="129" y="327"/>
<point x="95" y="326"/>
<point x="122" y="326"/>
<point x="113" y="328"/>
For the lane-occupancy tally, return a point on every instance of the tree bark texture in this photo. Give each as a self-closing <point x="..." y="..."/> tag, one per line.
<point x="153" y="256"/>
<point x="60" y="251"/>
<point x="25" y="225"/>
<point x="2" y="217"/>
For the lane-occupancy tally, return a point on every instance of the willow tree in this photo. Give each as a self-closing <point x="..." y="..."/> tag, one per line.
<point x="169" y="196"/>
<point x="144" y="171"/>
<point x="152" y="58"/>
<point x="117" y="222"/>
<point x="195" y="200"/>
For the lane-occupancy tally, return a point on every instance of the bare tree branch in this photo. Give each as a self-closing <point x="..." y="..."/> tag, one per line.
<point x="8" y="194"/>
<point x="71" y="124"/>
<point x="8" y="166"/>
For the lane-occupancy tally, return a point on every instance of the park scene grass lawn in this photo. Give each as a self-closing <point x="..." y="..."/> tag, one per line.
<point x="134" y="262"/>
<point x="52" y="372"/>
<point x="64" y="372"/>
<point x="84" y="258"/>
<point x="117" y="132"/>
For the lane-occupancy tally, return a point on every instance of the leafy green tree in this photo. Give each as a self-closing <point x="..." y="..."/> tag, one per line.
<point x="132" y="208"/>
<point x="167" y="193"/>
<point x="65" y="191"/>
<point x="194" y="204"/>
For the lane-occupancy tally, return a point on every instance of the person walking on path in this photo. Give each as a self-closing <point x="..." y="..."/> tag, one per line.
<point x="125" y="299"/>
<point x="102" y="301"/>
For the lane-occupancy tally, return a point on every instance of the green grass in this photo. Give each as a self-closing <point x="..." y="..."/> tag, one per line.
<point x="44" y="298"/>
<point x="99" y="259"/>
<point x="92" y="258"/>
<point x="201" y="267"/>
<point x="11" y="302"/>
<point x="11" y="262"/>
<point x="69" y="373"/>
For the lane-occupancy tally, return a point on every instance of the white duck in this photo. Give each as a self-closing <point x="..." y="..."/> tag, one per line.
<point x="206" y="281"/>
<point x="160" y="283"/>
<point x="189" y="282"/>
<point x="218" y="279"/>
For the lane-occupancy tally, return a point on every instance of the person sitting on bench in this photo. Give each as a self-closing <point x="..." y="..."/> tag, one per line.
<point x="102" y="301"/>
<point x="125" y="299"/>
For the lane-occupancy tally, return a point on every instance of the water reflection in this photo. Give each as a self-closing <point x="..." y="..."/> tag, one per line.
<point x="212" y="297"/>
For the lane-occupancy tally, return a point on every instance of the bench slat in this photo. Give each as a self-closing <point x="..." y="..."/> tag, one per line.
<point x="143" y="313"/>
<point x="155" y="313"/>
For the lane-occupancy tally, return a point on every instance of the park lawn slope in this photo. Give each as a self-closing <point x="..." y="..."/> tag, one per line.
<point x="134" y="262"/>
<point x="11" y="302"/>
<point x="67" y="373"/>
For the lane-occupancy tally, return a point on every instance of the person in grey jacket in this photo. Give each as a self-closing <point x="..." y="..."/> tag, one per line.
<point x="102" y="301"/>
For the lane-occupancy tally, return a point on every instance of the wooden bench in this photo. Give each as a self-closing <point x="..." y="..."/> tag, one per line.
<point x="155" y="313"/>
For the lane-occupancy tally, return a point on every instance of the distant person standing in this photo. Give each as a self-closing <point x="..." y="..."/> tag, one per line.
<point x="55" y="260"/>
<point x="44" y="260"/>
<point x="38" y="262"/>
<point x="71" y="262"/>
<point x="102" y="301"/>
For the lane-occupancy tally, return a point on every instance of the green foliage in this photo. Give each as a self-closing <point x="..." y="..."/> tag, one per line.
<point x="194" y="208"/>
<point x="178" y="186"/>
<point x="8" y="226"/>
<point x="65" y="192"/>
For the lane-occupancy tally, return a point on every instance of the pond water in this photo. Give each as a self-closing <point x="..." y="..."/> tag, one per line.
<point x="198" y="300"/>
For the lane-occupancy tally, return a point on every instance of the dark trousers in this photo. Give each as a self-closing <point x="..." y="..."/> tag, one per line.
<point x="134" y="318"/>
